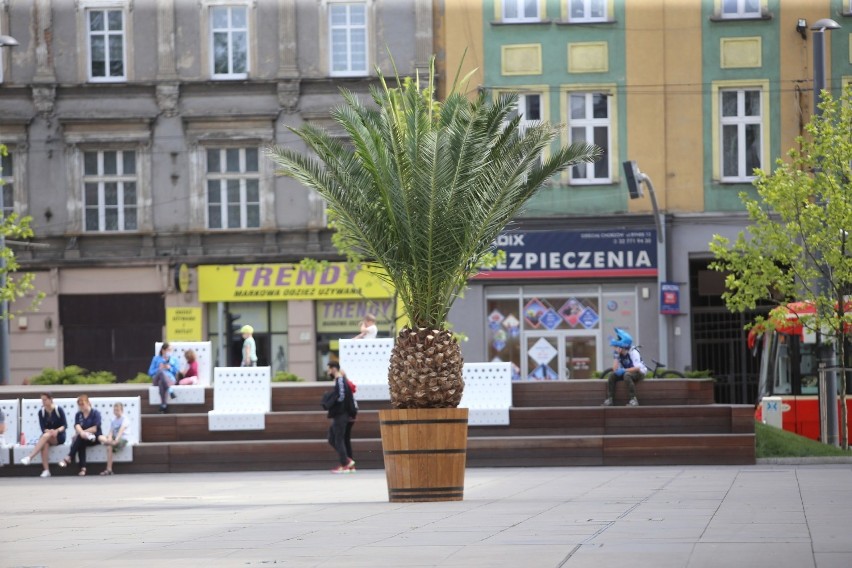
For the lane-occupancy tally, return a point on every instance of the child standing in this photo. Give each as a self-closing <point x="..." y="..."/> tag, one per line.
<point x="116" y="439"/>
<point x="249" y="352"/>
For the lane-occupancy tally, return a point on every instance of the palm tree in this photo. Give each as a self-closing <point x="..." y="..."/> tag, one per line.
<point x="422" y="190"/>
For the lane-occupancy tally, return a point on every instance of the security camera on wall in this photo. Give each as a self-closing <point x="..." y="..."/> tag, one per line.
<point x="634" y="179"/>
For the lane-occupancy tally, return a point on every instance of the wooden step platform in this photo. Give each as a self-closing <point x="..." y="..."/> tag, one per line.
<point x="287" y="397"/>
<point x="551" y="424"/>
<point x="548" y="421"/>
<point x="531" y="451"/>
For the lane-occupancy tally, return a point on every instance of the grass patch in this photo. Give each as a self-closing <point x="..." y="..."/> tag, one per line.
<point x="774" y="443"/>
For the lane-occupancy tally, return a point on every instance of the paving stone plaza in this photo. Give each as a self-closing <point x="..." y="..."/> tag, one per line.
<point x="794" y="516"/>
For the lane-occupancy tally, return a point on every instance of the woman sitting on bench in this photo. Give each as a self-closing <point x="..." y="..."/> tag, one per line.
<point x="51" y="419"/>
<point x="87" y="425"/>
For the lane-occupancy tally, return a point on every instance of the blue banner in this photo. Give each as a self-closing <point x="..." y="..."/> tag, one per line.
<point x="576" y="254"/>
<point x="669" y="298"/>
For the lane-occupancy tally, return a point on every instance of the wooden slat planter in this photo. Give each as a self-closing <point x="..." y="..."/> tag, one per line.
<point x="425" y="453"/>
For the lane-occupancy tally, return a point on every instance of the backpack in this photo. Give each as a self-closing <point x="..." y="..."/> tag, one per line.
<point x="328" y="399"/>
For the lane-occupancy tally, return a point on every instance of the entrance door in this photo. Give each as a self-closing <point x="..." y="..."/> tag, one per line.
<point x="560" y="355"/>
<point x="111" y="332"/>
<point x="581" y="356"/>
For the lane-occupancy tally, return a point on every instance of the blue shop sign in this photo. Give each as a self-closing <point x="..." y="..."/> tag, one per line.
<point x="576" y="254"/>
<point x="670" y="298"/>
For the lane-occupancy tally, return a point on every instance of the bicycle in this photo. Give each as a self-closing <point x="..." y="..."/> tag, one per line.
<point x="659" y="372"/>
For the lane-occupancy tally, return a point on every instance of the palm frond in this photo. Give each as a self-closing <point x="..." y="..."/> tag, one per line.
<point x="425" y="186"/>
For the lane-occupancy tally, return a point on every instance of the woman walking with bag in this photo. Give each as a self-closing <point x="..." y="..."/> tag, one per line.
<point x="341" y="410"/>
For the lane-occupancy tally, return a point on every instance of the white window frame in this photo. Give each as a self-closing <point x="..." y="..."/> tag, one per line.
<point x="740" y="121"/>
<point x="522" y="106"/>
<point x="106" y="8"/>
<point x="230" y="30"/>
<point x="8" y="180"/>
<point x="119" y="178"/>
<point x="350" y="71"/>
<point x="587" y="11"/>
<point x="520" y="6"/>
<point x="741" y="12"/>
<point x="223" y="176"/>
<point x="590" y="123"/>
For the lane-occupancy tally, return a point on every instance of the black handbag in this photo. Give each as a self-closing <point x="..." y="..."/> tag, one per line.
<point x="329" y="398"/>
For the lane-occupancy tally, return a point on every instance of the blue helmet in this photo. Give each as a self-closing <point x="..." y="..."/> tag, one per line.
<point x="622" y="339"/>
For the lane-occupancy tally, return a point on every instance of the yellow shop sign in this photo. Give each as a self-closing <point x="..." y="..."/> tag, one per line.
<point x="183" y="324"/>
<point x="265" y="282"/>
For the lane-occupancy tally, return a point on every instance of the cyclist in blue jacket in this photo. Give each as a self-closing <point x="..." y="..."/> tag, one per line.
<point x="627" y="366"/>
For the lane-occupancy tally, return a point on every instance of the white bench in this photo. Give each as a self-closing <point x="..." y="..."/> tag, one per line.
<point x="366" y="362"/>
<point x="487" y="393"/>
<point x="32" y="429"/>
<point x="187" y="394"/>
<point x="12" y="434"/>
<point x="241" y="398"/>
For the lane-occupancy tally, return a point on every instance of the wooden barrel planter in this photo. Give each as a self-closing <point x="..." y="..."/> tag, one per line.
<point x="425" y="452"/>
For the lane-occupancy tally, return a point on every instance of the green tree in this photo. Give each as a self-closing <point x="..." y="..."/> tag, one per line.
<point x="15" y="285"/>
<point x="422" y="190"/>
<point x="797" y="247"/>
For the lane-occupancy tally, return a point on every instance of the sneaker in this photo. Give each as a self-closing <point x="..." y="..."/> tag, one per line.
<point x="607" y="402"/>
<point x="172" y="395"/>
<point x="163" y="409"/>
<point x="351" y="465"/>
<point x="25" y="460"/>
<point x="45" y="473"/>
<point x="340" y="469"/>
<point x="633" y="402"/>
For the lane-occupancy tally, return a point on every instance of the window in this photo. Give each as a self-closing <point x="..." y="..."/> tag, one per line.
<point x="589" y="122"/>
<point x="741" y="133"/>
<point x="347" y="26"/>
<point x="109" y="190"/>
<point x="587" y="10"/>
<point x="229" y="42"/>
<point x="520" y="11"/>
<point x="106" y="45"/>
<point x="8" y="177"/>
<point x="233" y="188"/>
<point x="741" y="8"/>
<point x="529" y="109"/>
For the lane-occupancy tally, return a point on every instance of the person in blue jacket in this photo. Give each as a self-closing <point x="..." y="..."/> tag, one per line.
<point x="164" y="367"/>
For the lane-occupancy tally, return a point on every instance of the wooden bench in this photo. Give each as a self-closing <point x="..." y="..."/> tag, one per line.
<point x="366" y="362"/>
<point x="241" y="398"/>
<point x="187" y="394"/>
<point x="12" y="434"/>
<point x="32" y="430"/>
<point x="487" y="392"/>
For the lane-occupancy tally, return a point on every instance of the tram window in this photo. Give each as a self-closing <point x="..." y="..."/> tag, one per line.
<point x="783" y="380"/>
<point x="808" y="366"/>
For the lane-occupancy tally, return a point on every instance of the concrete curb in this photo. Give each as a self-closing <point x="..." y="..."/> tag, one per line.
<point x="811" y="460"/>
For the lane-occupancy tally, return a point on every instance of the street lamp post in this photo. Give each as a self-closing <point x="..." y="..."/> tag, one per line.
<point x="5" y="368"/>
<point x="819" y="29"/>
<point x="635" y="179"/>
